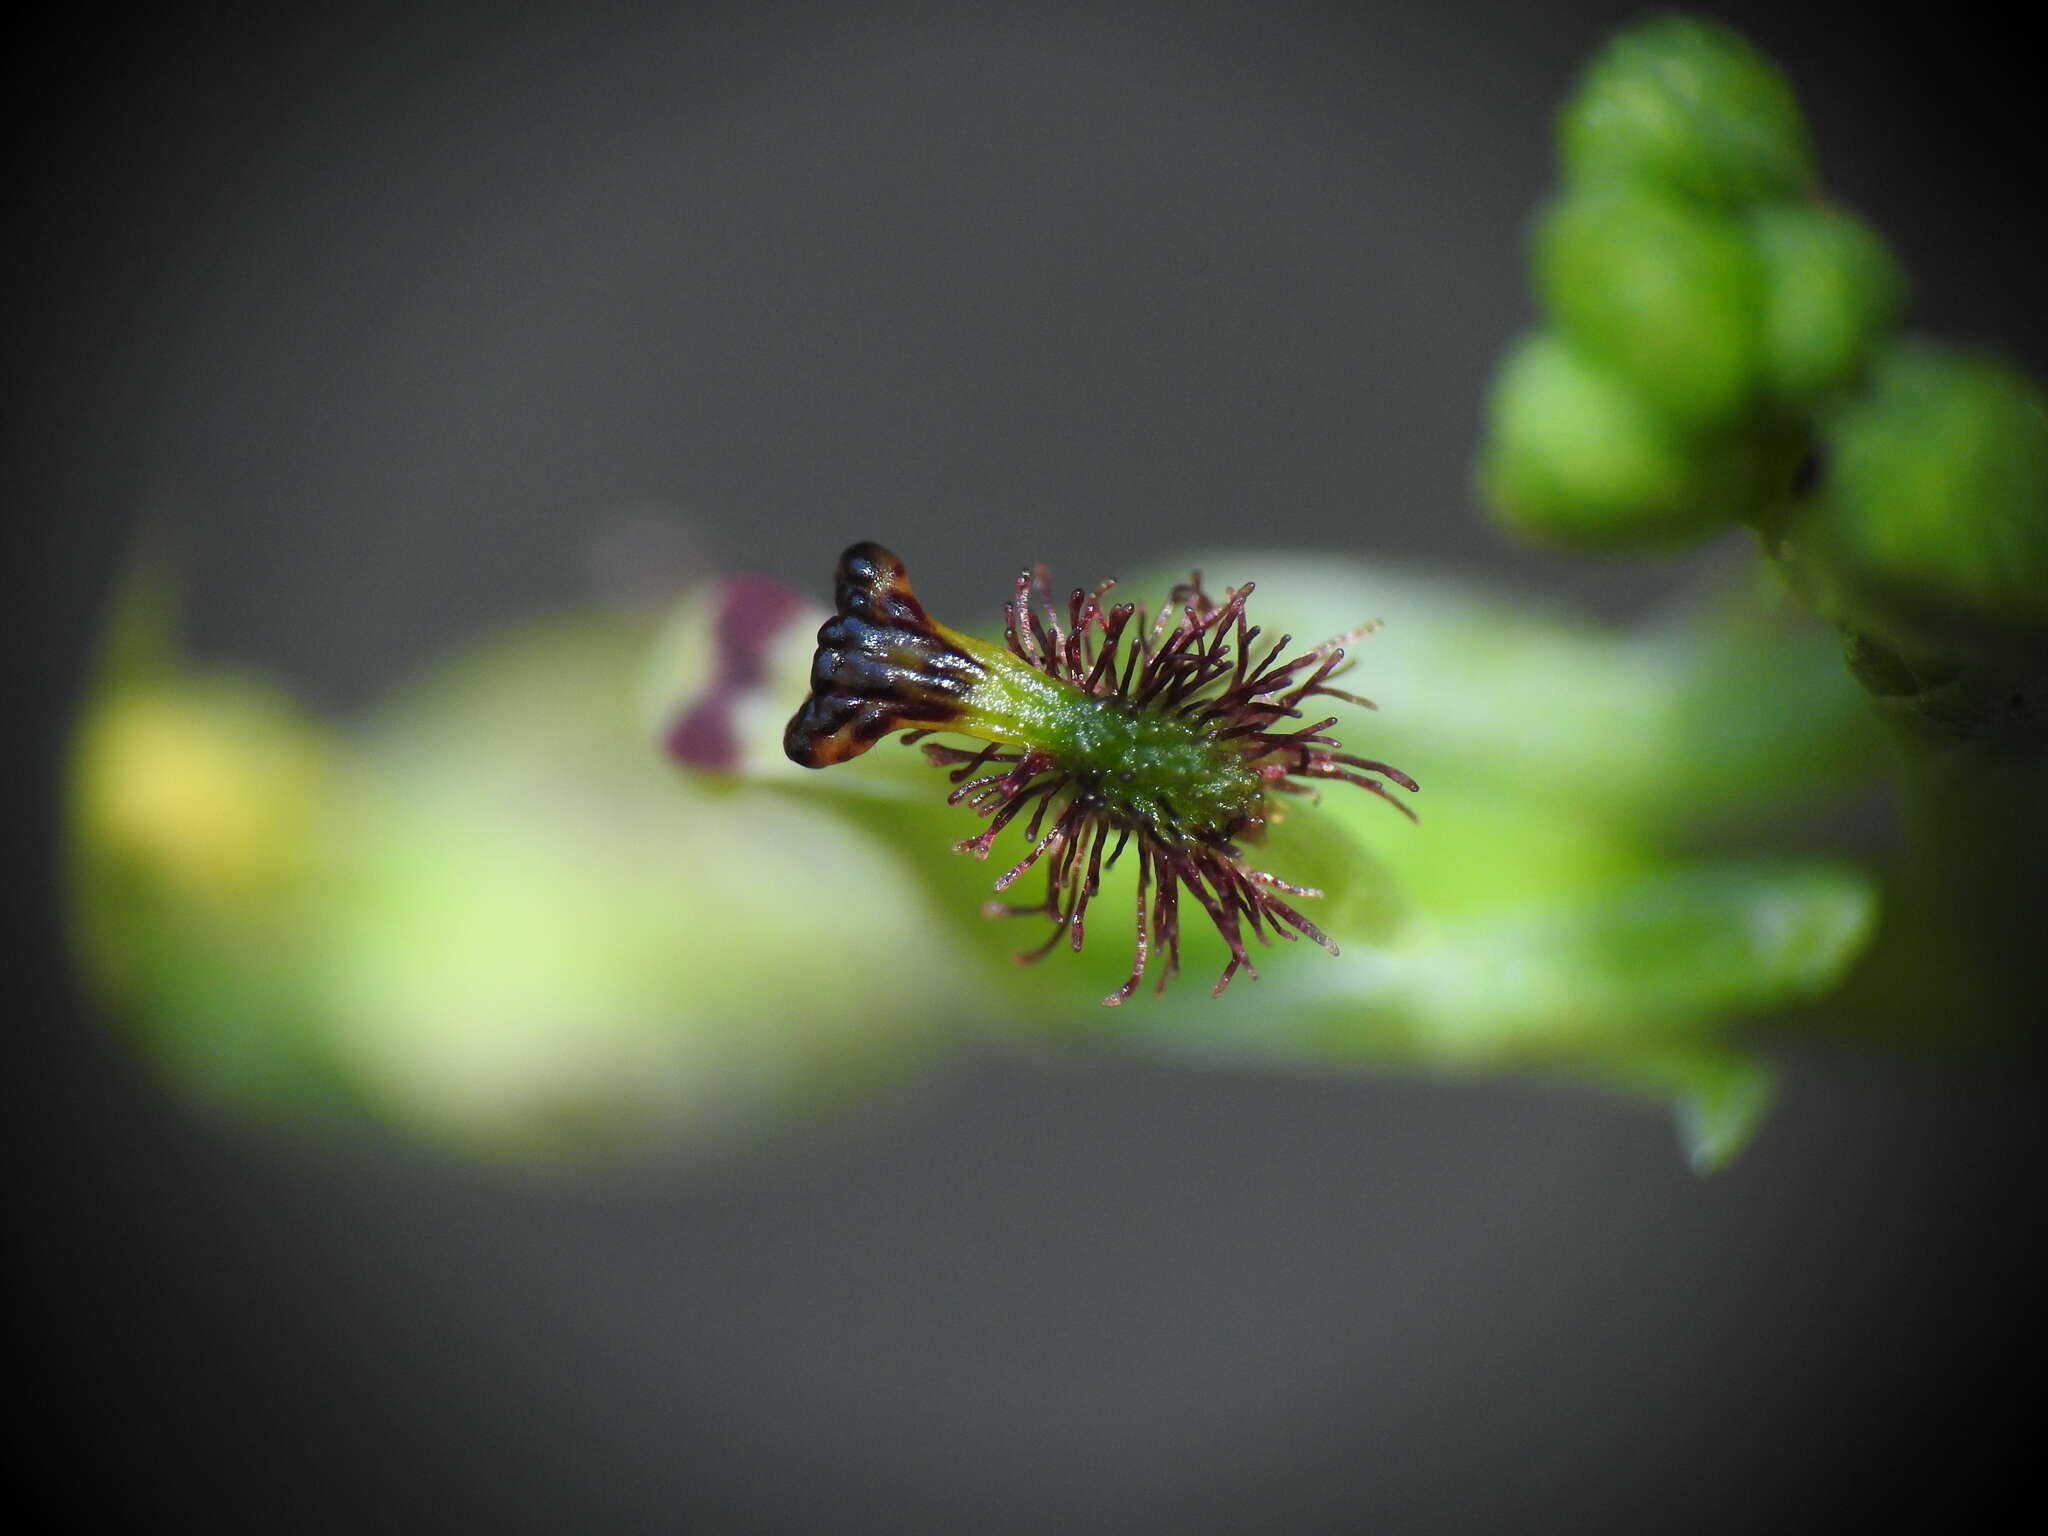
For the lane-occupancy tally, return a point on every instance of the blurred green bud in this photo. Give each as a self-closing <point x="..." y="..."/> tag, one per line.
<point x="1933" y="511"/>
<point x="1573" y="456"/>
<point x="1663" y="293"/>
<point x="1831" y="292"/>
<point x="1689" y="105"/>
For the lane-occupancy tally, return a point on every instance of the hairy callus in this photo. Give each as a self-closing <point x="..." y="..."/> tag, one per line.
<point x="1102" y="733"/>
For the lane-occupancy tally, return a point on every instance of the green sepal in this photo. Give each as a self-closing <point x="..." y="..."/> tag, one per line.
<point x="1719" y="1116"/>
<point x="1728" y="711"/>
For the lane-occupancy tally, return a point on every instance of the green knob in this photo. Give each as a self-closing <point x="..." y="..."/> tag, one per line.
<point x="1831" y="293"/>
<point x="1688" y="105"/>
<point x="1663" y="292"/>
<point x="1575" y="457"/>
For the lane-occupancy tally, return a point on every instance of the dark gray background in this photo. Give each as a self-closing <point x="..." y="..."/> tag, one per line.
<point x="391" y="314"/>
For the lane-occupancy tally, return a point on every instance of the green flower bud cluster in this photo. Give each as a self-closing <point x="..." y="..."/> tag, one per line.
<point x="1701" y="304"/>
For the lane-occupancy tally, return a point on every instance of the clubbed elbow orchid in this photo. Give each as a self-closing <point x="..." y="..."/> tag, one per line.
<point x="489" y="915"/>
<point x="1167" y="734"/>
